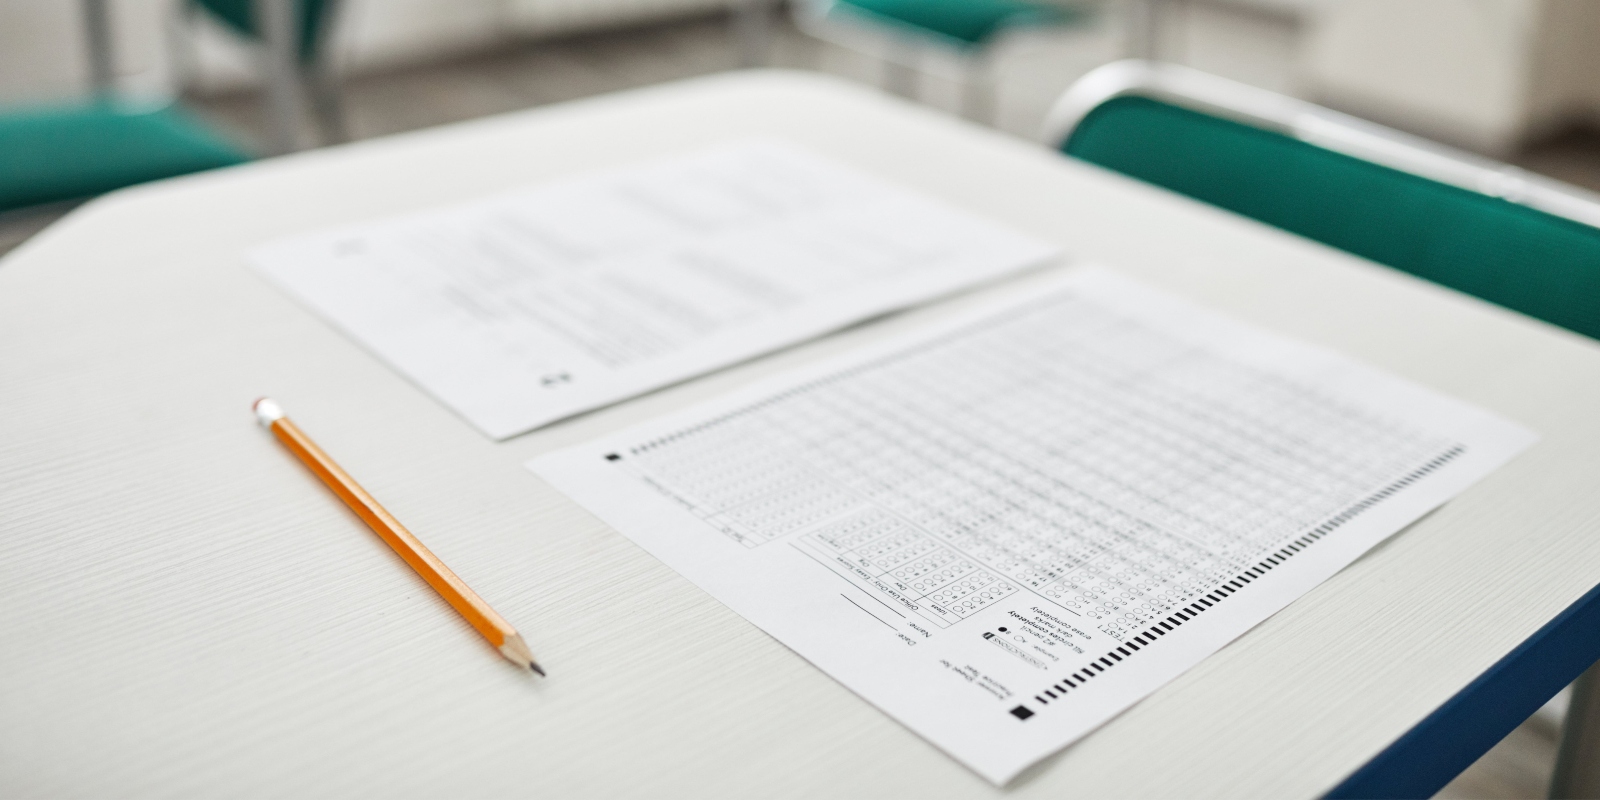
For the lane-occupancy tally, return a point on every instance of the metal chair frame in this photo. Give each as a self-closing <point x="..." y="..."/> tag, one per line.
<point x="1314" y="124"/>
<point x="288" y="81"/>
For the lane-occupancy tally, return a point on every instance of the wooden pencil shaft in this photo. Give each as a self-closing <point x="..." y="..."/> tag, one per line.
<point x="451" y="588"/>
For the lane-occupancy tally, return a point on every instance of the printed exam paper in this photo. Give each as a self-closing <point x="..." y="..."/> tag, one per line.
<point x="521" y="310"/>
<point x="1006" y="528"/>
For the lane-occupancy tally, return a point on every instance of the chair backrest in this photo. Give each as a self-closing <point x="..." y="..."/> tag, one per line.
<point x="964" y="23"/>
<point x="239" y="15"/>
<point x="1517" y="256"/>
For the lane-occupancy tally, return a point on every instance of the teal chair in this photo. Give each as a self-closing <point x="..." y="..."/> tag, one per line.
<point x="51" y="154"/>
<point x="966" y="28"/>
<point x="962" y="23"/>
<point x="1480" y="227"/>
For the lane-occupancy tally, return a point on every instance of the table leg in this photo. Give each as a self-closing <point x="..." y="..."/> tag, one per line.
<point x="1578" y="764"/>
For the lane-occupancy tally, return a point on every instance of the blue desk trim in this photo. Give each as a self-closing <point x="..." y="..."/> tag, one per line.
<point x="1434" y="752"/>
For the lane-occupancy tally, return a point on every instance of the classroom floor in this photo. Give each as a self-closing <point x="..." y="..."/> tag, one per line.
<point x="1032" y="70"/>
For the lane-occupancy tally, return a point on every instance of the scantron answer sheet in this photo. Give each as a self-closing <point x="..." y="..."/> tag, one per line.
<point x="519" y="310"/>
<point x="1008" y="528"/>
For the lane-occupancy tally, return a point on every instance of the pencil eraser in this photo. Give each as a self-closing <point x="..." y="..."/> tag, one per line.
<point x="267" y="412"/>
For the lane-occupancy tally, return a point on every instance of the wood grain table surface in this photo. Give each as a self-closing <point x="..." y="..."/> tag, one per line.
<point x="185" y="611"/>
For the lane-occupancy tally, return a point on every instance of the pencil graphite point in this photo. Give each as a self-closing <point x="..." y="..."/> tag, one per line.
<point x="515" y="649"/>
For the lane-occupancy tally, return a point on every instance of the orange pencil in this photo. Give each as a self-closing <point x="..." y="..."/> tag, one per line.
<point x="493" y="626"/>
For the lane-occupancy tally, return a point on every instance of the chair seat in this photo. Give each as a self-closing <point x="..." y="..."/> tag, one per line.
<point x="969" y="22"/>
<point x="67" y="152"/>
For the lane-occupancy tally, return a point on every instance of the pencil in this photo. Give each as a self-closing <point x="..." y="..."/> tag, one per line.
<point x="461" y="597"/>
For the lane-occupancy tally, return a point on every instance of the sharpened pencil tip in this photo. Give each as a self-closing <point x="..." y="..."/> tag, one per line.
<point x="517" y="651"/>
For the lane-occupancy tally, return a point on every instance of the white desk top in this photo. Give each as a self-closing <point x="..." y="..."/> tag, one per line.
<point x="184" y="610"/>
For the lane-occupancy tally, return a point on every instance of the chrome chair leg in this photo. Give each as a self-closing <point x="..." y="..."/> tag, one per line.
<point x="980" y="92"/>
<point x="900" y="74"/>
<point x="1145" y="28"/>
<point x="327" y="101"/>
<point x="752" y="24"/>
<point x="278" y="23"/>
<point x="102" y="59"/>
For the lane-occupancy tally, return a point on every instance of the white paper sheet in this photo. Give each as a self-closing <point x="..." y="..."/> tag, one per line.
<point x="521" y="310"/>
<point x="1008" y="528"/>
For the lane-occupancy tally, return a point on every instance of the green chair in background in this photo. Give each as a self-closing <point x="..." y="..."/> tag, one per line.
<point x="961" y="23"/>
<point x="55" y="154"/>
<point x="965" y="28"/>
<point x="1474" y="225"/>
<point x="58" y="153"/>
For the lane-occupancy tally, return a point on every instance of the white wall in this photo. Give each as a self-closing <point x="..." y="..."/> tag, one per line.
<point x="41" y="49"/>
<point x="1566" y="66"/>
<point x="1486" y="74"/>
